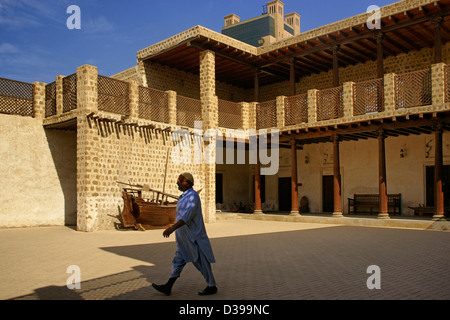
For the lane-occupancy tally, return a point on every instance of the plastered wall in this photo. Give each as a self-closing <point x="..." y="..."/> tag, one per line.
<point x="359" y="168"/>
<point x="37" y="174"/>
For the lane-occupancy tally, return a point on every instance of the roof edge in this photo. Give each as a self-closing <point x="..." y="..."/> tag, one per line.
<point x="386" y="11"/>
<point x="190" y="34"/>
<point x="200" y="31"/>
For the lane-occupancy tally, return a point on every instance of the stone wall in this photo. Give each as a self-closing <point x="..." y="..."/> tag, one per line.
<point x="186" y="84"/>
<point x="113" y="147"/>
<point x="131" y="74"/>
<point x="120" y="153"/>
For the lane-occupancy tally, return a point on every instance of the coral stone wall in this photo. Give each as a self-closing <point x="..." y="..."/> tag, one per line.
<point x="107" y="154"/>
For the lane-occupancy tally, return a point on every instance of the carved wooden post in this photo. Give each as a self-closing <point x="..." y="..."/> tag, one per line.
<point x="294" y="184"/>
<point x="256" y="86"/>
<point x="437" y="21"/>
<point x="335" y="50"/>
<point x="438" y="191"/>
<point x="257" y="183"/>
<point x="292" y="76"/>
<point x="337" y="212"/>
<point x="379" y="36"/>
<point x="383" y="213"/>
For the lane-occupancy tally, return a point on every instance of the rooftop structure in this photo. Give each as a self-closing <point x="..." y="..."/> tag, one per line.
<point x="273" y="25"/>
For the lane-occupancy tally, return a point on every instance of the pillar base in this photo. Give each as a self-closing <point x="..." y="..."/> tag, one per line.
<point x="437" y="217"/>
<point x="294" y="213"/>
<point x="257" y="212"/>
<point x="337" y="215"/>
<point x="383" y="216"/>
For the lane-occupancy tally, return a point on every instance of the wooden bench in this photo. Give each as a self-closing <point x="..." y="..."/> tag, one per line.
<point x="371" y="201"/>
<point x="427" y="211"/>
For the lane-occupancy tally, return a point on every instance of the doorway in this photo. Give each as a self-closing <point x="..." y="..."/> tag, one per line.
<point x="284" y="194"/>
<point x="327" y="193"/>
<point x="429" y="201"/>
<point x="262" y="188"/>
<point x="219" y="188"/>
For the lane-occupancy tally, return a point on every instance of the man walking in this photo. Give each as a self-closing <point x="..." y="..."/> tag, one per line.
<point x="192" y="241"/>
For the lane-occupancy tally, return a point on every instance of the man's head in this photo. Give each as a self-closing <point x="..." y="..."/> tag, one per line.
<point x="185" y="181"/>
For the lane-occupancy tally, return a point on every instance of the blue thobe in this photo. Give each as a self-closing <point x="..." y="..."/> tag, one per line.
<point x="192" y="241"/>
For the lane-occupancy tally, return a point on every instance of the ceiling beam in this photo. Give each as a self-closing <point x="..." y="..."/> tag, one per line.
<point x="370" y="127"/>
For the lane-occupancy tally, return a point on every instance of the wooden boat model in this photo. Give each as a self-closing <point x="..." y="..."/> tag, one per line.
<point x="143" y="214"/>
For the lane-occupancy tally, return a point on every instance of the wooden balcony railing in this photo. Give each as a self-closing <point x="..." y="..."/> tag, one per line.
<point x="368" y="97"/>
<point x="266" y="114"/>
<point x="113" y="95"/>
<point x="153" y="104"/>
<point x="413" y="89"/>
<point x="16" y="97"/>
<point x="230" y="114"/>
<point x="296" y="109"/>
<point x="188" y="111"/>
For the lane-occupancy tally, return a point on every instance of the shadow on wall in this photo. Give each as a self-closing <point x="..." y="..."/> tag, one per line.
<point x="63" y="147"/>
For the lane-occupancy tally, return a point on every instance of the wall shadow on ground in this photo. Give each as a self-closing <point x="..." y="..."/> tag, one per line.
<point x="315" y="264"/>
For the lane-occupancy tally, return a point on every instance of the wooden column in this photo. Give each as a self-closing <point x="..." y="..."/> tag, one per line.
<point x="379" y="36"/>
<point x="292" y="76"/>
<point x="383" y="214"/>
<point x="294" y="183"/>
<point x="438" y="191"/>
<point x="337" y="212"/>
<point x="335" y="50"/>
<point x="437" y="21"/>
<point x="256" y="86"/>
<point x="257" y="184"/>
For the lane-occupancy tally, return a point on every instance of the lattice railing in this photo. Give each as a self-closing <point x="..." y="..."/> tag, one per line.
<point x="230" y="114"/>
<point x="447" y="83"/>
<point x="296" y="109"/>
<point x="50" y="99"/>
<point x="69" y="92"/>
<point x="266" y="114"/>
<point x="153" y="104"/>
<point x="188" y="111"/>
<point x="330" y="103"/>
<point x="16" y="97"/>
<point x="413" y="89"/>
<point x="113" y="95"/>
<point x="368" y="97"/>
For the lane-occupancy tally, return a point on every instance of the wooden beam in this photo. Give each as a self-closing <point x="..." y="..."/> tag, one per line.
<point x="355" y="128"/>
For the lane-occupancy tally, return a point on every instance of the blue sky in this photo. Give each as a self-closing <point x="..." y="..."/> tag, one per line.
<point x="36" y="45"/>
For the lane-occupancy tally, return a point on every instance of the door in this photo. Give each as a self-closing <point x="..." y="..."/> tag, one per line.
<point x="219" y="188"/>
<point x="430" y="185"/>
<point x="327" y="194"/>
<point x="284" y="194"/>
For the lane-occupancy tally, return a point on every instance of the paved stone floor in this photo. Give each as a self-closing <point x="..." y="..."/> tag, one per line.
<point x="256" y="260"/>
